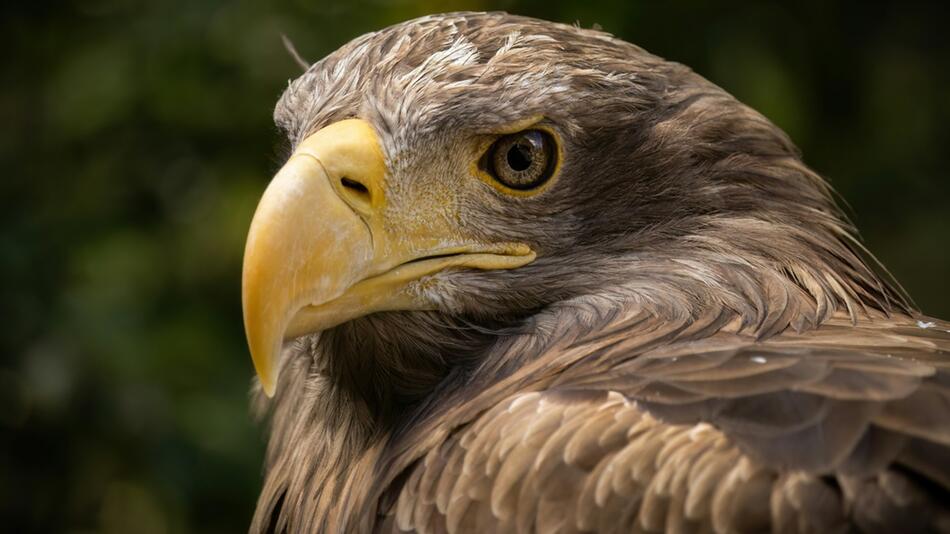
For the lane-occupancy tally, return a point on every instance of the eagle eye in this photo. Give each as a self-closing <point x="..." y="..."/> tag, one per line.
<point x="522" y="160"/>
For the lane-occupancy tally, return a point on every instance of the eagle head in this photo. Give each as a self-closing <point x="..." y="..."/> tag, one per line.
<point x="454" y="175"/>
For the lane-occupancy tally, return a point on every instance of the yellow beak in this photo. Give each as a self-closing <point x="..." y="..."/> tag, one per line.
<point x="320" y="252"/>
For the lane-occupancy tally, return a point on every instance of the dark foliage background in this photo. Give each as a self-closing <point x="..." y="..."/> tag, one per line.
<point x="137" y="138"/>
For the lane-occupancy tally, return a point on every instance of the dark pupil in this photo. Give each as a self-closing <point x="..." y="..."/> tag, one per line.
<point x="519" y="157"/>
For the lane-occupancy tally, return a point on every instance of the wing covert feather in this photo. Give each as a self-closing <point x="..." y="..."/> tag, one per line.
<point x="815" y="431"/>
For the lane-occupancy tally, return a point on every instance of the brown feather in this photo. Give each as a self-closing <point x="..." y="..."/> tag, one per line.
<point x="700" y="346"/>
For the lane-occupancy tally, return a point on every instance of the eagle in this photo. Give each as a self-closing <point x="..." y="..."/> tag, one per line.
<point x="519" y="276"/>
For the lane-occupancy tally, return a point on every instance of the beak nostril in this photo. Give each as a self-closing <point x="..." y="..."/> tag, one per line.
<point x="355" y="193"/>
<point x="354" y="186"/>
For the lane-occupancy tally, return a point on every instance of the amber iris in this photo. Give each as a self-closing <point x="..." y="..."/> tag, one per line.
<point x="522" y="160"/>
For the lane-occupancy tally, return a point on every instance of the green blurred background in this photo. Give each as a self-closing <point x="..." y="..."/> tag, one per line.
<point x="138" y="138"/>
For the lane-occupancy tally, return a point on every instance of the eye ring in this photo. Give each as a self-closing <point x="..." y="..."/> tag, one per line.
<point x="522" y="161"/>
